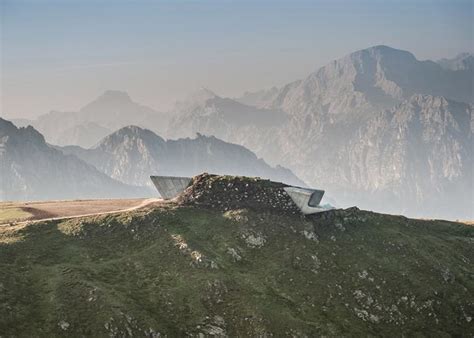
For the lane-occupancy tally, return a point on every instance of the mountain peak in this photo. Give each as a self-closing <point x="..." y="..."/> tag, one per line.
<point x="202" y="94"/>
<point x="7" y="128"/>
<point x="134" y="131"/>
<point x="109" y="99"/>
<point x="195" y="99"/>
<point x="383" y="52"/>
<point x="126" y="134"/>
<point x="115" y="95"/>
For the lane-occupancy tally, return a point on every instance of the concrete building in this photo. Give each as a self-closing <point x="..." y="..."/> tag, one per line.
<point x="170" y="186"/>
<point x="307" y="200"/>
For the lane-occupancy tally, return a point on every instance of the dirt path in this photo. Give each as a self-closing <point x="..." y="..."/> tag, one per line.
<point x="43" y="215"/>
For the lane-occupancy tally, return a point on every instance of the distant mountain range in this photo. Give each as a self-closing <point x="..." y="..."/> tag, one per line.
<point x="132" y="154"/>
<point x="377" y="128"/>
<point x="207" y="113"/>
<point x="30" y="169"/>
<point x="118" y="167"/>
<point x="109" y="112"/>
<point x="463" y="61"/>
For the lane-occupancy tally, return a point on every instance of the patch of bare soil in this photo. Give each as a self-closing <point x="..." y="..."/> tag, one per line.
<point x="52" y="209"/>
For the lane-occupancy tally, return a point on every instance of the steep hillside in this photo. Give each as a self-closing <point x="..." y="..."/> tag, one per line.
<point x="184" y="269"/>
<point x="133" y="154"/>
<point x="418" y="156"/>
<point x="32" y="170"/>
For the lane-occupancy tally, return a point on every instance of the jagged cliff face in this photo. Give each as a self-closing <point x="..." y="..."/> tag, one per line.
<point x="132" y="155"/>
<point x="32" y="170"/>
<point x="415" y="158"/>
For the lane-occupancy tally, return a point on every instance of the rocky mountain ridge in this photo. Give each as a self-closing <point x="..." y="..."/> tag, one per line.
<point x="327" y="128"/>
<point x="207" y="113"/>
<point x="133" y="154"/>
<point x="30" y="169"/>
<point x="325" y="140"/>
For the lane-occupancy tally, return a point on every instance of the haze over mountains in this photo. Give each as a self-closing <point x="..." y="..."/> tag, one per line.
<point x="334" y="136"/>
<point x="206" y="112"/>
<point x="109" y="112"/>
<point x="132" y="154"/>
<point x="377" y="128"/>
<point x="32" y="170"/>
<point x="118" y="167"/>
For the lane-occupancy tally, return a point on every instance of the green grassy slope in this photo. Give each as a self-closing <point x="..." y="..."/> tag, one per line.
<point x="180" y="270"/>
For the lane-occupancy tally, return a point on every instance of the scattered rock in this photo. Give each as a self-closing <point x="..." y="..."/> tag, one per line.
<point x="236" y="257"/>
<point x="311" y="235"/>
<point x="64" y="325"/>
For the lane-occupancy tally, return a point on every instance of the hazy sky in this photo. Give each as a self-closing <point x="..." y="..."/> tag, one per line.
<point x="59" y="55"/>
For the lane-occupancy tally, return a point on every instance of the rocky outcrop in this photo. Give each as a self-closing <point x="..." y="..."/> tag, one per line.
<point x="237" y="192"/>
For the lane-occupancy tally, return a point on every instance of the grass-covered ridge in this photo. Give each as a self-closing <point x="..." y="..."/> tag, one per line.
<point x="184" y="269"/>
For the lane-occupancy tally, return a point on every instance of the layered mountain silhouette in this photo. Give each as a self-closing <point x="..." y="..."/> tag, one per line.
<point x="132" y="154"/>
<point x="109" y="112"/>
<point x="333" y="136"/>
<point x="370" y="79"/>
<point x="207" y="113"/>
<point x="30" y="169"/>
<point x="377" y="128"/>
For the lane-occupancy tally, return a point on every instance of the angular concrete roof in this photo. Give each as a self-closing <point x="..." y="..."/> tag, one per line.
<point x="170" y="186"/>
<point x="306" y="199"/>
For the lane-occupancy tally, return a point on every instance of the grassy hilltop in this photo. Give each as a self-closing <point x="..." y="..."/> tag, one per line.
<point x="209" y="264"/>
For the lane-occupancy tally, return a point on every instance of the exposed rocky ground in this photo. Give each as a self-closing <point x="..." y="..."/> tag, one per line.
<point x="190" y="269"/>
<point x="237" y="192"/>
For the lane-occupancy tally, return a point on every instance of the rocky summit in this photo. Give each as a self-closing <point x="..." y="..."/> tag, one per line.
<point x="197" y="267"/>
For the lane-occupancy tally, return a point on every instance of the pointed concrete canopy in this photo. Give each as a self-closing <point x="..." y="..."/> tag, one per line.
<point x="170" y="186"/>
<point x="307" y="200"/>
